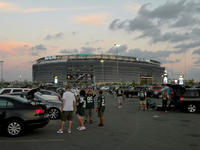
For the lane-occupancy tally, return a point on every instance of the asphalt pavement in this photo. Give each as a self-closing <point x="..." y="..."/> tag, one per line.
<point x="125" y="128"/>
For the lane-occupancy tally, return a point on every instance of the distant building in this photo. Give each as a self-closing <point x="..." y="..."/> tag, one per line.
<point x="97" y="68"/>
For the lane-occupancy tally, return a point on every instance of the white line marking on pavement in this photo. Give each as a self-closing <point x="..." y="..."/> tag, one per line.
<point x="32" y="141"/>
<point x="156" y="116"/>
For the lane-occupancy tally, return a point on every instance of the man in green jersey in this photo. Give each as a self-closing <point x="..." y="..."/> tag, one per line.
<point x="89" y="105"/>
<point x="101" y="108"/>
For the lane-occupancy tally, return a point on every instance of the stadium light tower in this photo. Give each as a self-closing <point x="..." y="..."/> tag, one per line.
<point x="102" y="67"/>
<point x="1" y="63"/>
<point x="117" y="48"/>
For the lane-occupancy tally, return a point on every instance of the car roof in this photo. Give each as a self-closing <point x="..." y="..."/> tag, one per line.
<point x="6" y="96"/>
<point x="193" y="89"/>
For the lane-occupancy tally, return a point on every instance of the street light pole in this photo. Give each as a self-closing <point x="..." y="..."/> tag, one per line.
<point x="102" y="68"/>
<point x="1" y="62"/>
<point x="117" y="45"/>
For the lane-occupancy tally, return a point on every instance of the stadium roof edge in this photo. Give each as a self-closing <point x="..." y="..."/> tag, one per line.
<point x="61" y="57"/>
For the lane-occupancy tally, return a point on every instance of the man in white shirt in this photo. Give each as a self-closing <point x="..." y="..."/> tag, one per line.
<point x="68" y="107"/>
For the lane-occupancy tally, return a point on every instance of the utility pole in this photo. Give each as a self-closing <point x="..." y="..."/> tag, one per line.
<point x="1" y="63"/>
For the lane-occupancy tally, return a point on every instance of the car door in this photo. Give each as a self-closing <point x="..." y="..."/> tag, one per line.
<point x="5" y="106"/>
<point x="2" y="110"/>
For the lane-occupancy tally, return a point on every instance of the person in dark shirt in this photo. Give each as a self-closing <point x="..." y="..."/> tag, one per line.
<point x="165" y="98"/>
<point x="172" y="99"/>
<point x="89" y="105"/>
<point x="81" y="103"/>
<point x="101" y="108"/>
<point x="142" y="97"/>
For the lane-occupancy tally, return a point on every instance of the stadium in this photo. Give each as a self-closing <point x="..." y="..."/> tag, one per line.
<point x="96" y="69"/>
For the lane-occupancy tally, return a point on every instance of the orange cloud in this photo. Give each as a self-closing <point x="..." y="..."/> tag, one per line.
<point x="10" y="7"/>
<point x="11" y="47"/>
<point x="93" y="19"/>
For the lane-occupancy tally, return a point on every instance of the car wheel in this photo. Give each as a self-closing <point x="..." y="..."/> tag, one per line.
<point x="14" y="128"/>
<point x="54" y="113"/>
<point x="191" y="108"/>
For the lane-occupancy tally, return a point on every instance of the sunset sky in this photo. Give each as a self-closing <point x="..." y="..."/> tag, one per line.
<point x="167" y="31"/>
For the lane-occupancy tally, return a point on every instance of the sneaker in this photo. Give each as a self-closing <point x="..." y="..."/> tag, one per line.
<point x="91" y="121"/>
<point x="69" y="131"/>
<point x="60" y="131"/>
<point x="82" y="128"/>
<point x="78" y="128"/>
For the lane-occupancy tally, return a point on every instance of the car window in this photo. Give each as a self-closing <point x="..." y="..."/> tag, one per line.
<point x="6" y="104"/>
<point x="17" y="90"/>
<point x="191" y="94"/>
<point x="6" y="91"/>
<point x="45" y="92"/>
<point x="20" y="99"/>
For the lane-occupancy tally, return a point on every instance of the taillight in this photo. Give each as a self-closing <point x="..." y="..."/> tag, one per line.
<point x="182" y="98"/>
<point x="39" y="111"/>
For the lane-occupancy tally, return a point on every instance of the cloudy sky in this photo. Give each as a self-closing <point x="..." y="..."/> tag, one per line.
<point x="167" y="31"/>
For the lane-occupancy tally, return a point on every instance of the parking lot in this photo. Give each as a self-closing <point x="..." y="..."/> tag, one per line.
<point x="125" y="128"/>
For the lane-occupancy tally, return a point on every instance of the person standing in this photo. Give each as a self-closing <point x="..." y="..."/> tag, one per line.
<point x="172" y="99"/>
<point x="101" y="108"/>
<point x="81" y="104"/>
<point x="165" y="98"/>
<point x="89" y="105"/>
<point x="119" y="94"/>
<point x="68" y="107"/>
<point x="142" y="97"/>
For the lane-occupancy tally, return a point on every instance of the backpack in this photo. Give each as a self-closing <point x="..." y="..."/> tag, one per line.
<point x="142" y="95"/>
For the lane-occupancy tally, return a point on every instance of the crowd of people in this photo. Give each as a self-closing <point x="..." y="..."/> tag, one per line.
<point x="83" y="105"/>
<point x="168" y="99"/>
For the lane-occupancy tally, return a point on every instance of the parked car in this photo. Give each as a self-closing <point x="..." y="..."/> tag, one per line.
<point x="190" y="100"/>
<point x="13" y="90"/>
<point x="53" y="107"/>
<point x="130" y="92"/>
<point x="76" y="91"/>
<point x="17" y="114"/>
<point x="50" y="94"/>
<point x="105" y="88"/>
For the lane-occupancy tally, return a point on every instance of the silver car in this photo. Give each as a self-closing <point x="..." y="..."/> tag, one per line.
<point x="53" y="107"/>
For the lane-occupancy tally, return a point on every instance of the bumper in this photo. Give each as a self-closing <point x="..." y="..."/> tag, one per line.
<point x="39" y="123"/>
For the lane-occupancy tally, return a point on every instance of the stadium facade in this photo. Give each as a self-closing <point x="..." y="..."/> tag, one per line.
<point x="96" y="68"/>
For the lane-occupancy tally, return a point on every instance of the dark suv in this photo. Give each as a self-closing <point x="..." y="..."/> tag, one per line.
<point x="190" y="100"/>
<point x="17" y="114"/>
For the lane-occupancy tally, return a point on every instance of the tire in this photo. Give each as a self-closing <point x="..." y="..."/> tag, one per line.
<point x="191" y="108"/>
<point x="54" y="113"/>
<point x="14" y="128"/>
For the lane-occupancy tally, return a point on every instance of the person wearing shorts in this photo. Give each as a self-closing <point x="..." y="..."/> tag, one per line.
<point x="142" y="97"/>
<point x="119" y="94"/>
<point x="68" y="107"/>
<point x="81" y="103"/>
<point x="101" y="108"/>
<point x="89" y="106"/>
